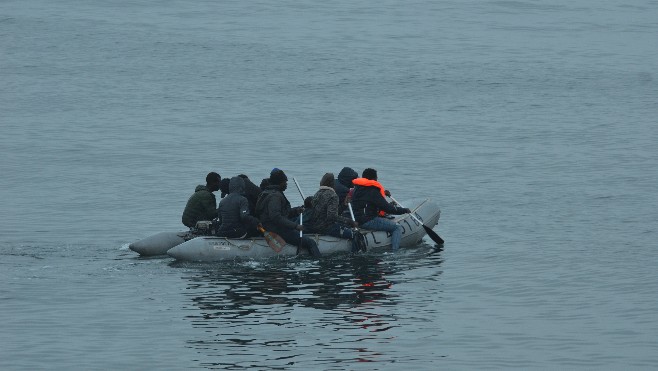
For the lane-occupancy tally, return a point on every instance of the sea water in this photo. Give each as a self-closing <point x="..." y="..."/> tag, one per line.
<point x="532" y="124"/>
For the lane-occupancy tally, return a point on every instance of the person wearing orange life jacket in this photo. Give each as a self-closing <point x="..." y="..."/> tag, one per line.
<point x="370" y="206"/>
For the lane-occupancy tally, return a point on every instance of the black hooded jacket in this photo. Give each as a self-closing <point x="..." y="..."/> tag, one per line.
<point x="273" y="209"/>
<point x="344" y="183"/>
<point x="367" y="202"/>
<point x="251" y="192"/>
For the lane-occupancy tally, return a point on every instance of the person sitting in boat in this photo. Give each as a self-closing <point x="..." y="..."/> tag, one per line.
<point x="251" y="192"/>
<point x="370" y="206"/>
<point x="274" y="211"/>
<point x="202" y="205"/>
<point x="343" y="186"/>
<point x="307" y="212"/>
<point x="224" y="187"/>
<point x="233" y="214"/>
<point x="324" y="217"/>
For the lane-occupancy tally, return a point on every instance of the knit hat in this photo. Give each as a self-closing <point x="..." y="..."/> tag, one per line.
<point x="278" y="177"/>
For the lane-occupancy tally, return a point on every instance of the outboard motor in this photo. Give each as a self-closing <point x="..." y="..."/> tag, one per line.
<point x="204" y="228"/>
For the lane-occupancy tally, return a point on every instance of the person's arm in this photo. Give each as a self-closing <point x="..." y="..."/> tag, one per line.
<point x="245" y="215"/>
<point x="387" y="207"/>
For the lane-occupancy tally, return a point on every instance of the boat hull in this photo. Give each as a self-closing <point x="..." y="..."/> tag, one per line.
<point x="159" y="243"/>
<point x="210" y="248"/>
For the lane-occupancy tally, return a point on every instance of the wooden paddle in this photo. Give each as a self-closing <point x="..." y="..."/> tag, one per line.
<point x="435" y="237"/>
<point x="276" y="242"/>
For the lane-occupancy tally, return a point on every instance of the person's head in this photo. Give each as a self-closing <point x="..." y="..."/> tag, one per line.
<point x="236" y="185"/>
<point x="224" y="186"/>
<point x="328" y="180"/>
<point x="346" y="176"/>
<point x="279" y="178"/>
<point x="212" y="181"/>
<point x="370" y="173"/>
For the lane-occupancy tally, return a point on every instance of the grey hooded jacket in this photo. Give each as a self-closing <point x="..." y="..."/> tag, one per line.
<point x="233" y="211"/>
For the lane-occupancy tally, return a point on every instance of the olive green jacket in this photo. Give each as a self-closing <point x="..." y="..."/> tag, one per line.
<point x="202" y="205"/>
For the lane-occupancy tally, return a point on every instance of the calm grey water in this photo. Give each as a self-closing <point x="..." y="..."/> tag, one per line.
<point x="532" y="124"/>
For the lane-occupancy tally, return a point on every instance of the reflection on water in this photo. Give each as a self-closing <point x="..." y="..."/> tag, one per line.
<point x="280" y="311"/>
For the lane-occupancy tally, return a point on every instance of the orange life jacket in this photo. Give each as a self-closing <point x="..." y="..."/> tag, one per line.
<point x="371" y="183"/>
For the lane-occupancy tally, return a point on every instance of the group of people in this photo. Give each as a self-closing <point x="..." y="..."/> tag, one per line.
<point x="336" y="209"/>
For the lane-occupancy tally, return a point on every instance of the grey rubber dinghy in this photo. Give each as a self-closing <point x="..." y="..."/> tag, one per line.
<point x="196" y="246"/>
<point x="211" y="248"/>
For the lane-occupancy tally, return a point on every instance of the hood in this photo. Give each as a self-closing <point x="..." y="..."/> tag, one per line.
<point x="346" y="176"/>
<point x="201" y="187"/>
<point x="236" y="185"/>
<point x="327" y="180"/>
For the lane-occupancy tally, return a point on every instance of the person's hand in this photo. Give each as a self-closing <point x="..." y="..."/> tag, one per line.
<point x="297" y="210"/>
<point x="405" y="210"/>
<point x="354" y="224"/>
<point x="299" y="227"/>
<point x="387" y="193"/>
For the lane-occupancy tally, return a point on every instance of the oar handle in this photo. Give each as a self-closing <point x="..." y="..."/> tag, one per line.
<point x="299" y="189"/>
<point x="411" y="213"/>
<point x="349" y="205"/>
<point x="301" y="216"/>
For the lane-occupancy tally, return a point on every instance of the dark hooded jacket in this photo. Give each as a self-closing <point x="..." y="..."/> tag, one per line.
<point x="367" y="202"/>
<point x="344" y="183"/>
<point x="274" y="210"/>
<point x="251" y="192"/>
<point x="202" y="205"/>
<point x="233" y="211"/>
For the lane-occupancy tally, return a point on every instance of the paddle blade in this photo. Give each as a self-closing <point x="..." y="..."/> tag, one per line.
<point x="274" y="241"/>
<point x="435" y="237"/>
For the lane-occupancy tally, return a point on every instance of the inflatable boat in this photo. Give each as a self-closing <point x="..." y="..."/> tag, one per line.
<point x="190" y="246"/>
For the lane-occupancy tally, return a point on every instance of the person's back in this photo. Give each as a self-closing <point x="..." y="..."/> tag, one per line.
<point x="368" y="201"/>
<point x="202" y="205"/>
<point x="233" y="212"/>
<point x="251" y="192"/>
<point x="325" y="217"/>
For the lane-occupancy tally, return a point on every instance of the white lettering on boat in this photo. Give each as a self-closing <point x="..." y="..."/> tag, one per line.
<point x="220" y="245"/>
